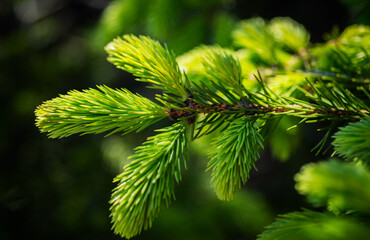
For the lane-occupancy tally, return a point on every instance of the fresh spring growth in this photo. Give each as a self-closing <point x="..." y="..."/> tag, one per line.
<point x="219" y="91"/>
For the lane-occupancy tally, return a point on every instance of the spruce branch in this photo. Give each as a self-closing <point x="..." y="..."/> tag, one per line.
<point x="233" y="153"/>
<point x="97" y="111"/>
<point x="218" y="96"/>
<point x="312" y="225"/>
<point x="147" y="183"/>
<point x="147" y="59"/>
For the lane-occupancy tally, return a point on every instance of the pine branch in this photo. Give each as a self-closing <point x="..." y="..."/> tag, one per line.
<point x="147" y="183"/>
<point x="311" y="225"/>
<point x="94" y="111"/>
<point x="147" y="59"/>
<point x="232" y="156"/>
<point x="344" y="187"/>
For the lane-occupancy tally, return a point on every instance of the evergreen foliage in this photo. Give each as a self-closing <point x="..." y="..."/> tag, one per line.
<point x="215" y="90"/>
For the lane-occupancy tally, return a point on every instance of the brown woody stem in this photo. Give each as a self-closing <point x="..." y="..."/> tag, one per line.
<point x="192" y="107"/>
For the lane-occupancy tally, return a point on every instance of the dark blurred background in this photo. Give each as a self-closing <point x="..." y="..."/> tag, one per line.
<point x="60" y="188"/>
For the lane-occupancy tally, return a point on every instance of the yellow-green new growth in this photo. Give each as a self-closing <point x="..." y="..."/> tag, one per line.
<point x="94" y="111"/>
<point x="147" y="183"/>
<point x="223" y="69"/>
<point x="232" y="156"/>
<point x="147" y="59"/>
